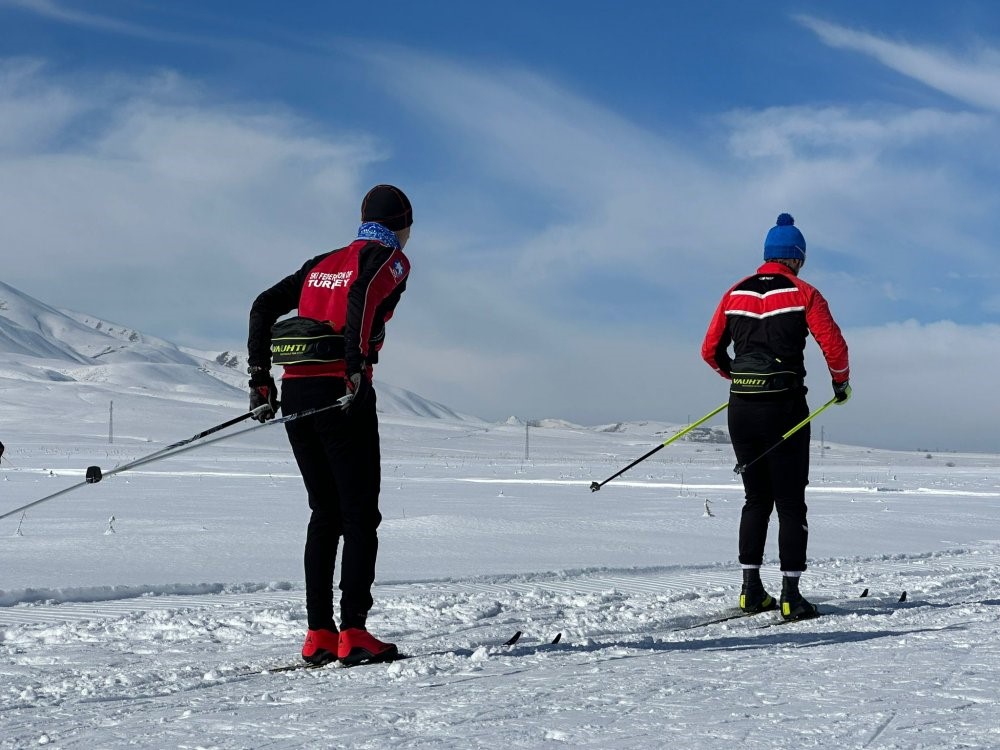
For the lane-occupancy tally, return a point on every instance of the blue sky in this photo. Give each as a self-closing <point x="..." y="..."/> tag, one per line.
<point x="587" y="179"/>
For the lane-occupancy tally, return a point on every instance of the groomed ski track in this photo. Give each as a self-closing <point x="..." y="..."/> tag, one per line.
<point x="169" y="670"/>
<point x="156" y="633"/>
<point x="70" y="605"/>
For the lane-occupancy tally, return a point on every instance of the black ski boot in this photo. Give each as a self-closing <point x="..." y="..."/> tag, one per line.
<point x="753" y="597"/>
<point x="793" y="604"/>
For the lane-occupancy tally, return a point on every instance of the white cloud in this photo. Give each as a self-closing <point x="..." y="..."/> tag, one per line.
<point x="891" y="190"/>
<point x="797" y="131"/>
<point x="919" y="386"/>
<point x="32" y="118"/>
<point x="974" y="79"/>
<point x="165" y="204"/>
<point x="566" y="261"/>
<point x="58" y="12"/>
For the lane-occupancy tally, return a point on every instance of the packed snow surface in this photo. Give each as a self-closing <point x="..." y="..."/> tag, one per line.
<point x="146" y="610"/>
<point x="155" y="630"/>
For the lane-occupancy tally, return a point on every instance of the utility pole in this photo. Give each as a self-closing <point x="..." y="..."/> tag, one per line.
<point x="526" y="426"/>
<point x="111" y="423"/>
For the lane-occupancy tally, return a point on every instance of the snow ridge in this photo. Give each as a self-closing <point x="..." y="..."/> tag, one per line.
<point x="42" y="344"/>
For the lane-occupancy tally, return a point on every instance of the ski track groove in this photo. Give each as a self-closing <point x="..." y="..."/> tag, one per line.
<point x="169" y="703"/>
<point x="670" y="583"/>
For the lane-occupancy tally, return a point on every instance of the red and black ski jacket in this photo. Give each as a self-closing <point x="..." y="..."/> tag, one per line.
<point x="355" y="289"/>
<point x="768" y="316"/>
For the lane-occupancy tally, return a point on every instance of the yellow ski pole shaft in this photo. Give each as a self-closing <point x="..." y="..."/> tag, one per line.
<point x="740" y="468"/>
<point x="595" y="486"/>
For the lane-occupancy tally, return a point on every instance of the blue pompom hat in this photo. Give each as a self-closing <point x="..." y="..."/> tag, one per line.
<point x="784" y="240"/>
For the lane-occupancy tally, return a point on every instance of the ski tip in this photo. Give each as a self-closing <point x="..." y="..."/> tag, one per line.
<point x="94" y="474"/>
<point x="513" y="639"/>
<point x="902" y="597"/>
<point x="594" y="486"/>
<point x="863" y="594"/>
<point x="557" y="639"/>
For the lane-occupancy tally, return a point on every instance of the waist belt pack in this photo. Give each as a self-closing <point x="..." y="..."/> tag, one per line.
<point x="762" y="373"/>
<point x="304" y="341"/>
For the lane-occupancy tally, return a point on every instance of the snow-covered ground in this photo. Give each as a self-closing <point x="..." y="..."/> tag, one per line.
<point x="155" y="635"/>
<point x="155" y="630"/>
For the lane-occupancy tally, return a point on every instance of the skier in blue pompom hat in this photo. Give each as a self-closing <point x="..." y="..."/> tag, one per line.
<point x="766" y="318"/>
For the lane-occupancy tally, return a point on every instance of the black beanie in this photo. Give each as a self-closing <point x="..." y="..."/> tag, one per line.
<point x="388" y="206"/>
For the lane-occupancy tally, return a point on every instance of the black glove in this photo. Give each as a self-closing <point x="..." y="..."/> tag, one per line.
<point x="263" y="391"/>
<point x="360" y="388"/>
<point x="841" y="391"/>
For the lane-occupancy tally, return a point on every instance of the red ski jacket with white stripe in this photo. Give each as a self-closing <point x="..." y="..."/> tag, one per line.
<point x="771" y="313"/>
<point x="355" y="289"/>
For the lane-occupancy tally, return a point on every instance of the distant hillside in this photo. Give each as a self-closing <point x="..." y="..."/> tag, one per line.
<point x="42" y="344"/>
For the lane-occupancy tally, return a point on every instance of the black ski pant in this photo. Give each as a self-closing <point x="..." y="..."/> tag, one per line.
<point x="338" y="456"/>
<point x="778" y="480"/>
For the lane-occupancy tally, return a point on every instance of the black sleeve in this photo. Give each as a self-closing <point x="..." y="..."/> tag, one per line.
<point x="382" y="312"/>
<point x="270" y="305"/>
<point x="373" y="258"/>
<point x="722" y="358"/>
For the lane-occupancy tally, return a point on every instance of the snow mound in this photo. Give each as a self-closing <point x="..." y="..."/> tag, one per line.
<point x="401" y="402"/>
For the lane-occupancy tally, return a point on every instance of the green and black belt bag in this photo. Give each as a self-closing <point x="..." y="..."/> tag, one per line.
<point x="761" y="373"/>
<point x="304" y="341"/>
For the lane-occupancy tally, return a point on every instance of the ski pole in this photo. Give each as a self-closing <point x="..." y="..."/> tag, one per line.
<point x="594" y="486"/>
<point x="740" y="468"/>
<point x="94" y="473"/>
<point x="179" y="444"/>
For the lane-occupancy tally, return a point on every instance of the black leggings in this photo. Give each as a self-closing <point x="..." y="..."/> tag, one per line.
<point x="338" y="456"/>
<point x="778" y="480"/>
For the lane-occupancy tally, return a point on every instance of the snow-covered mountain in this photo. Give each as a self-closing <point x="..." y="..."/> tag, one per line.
<point x="45" y="347"/>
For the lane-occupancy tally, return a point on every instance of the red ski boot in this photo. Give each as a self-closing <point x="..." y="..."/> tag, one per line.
<point x="358" y="646"/>
<point x="320" y="646"/>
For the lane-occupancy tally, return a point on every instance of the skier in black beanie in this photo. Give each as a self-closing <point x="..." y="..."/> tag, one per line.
<point x="344" y="299"/>
<point x="387" y="205"/>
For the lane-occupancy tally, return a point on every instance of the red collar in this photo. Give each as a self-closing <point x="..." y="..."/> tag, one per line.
<point x="773" y="267"/>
